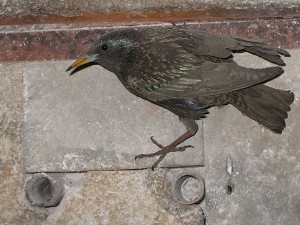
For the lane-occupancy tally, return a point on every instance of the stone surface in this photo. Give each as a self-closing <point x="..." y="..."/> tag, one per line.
<point x="71" y="6"/>
<point x="266" y="166"/>
<point x="74" y="11"/>
<point x="265" y="176"/>
<point x="11" y="86"/>
<point x="10" y="140"/>
<point x="88" y="121"/>
<point x="125" y="197"/>
<point x="69" y="41"/>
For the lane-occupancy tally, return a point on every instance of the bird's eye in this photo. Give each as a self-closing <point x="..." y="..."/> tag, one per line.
<point x="104" y="47"/>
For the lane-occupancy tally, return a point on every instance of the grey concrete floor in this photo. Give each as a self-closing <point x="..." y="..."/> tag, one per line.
<point x="266" y="166"/>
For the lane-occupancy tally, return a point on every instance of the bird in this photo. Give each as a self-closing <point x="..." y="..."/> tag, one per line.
<point x="188" y="71"/>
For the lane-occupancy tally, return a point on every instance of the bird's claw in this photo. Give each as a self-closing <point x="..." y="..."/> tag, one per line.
<point x="163" y="152"/>
<point x="182" y="148"/>
<point x="156" y="143"/>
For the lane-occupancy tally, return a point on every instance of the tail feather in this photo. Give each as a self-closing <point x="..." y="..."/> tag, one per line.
<point x="268" y="106"/>
<point x="266" y="55"/>
<point x="271" y="54"/>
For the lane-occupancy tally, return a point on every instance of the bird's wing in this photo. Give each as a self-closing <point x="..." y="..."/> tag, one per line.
<point x="203" y="43"/>
<point x="209" y="78"/>
<point x="191" y="64"/>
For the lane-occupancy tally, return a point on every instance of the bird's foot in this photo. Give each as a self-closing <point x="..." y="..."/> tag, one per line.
<point x="163" y="152"/>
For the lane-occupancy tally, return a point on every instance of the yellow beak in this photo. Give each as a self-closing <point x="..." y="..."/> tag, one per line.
<point x="79" y="62"/>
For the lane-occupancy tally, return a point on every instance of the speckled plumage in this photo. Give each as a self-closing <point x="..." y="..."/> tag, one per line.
<point x="188" y="71"/>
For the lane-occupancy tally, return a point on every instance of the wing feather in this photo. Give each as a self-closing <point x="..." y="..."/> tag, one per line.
<point x="193" y="64"/>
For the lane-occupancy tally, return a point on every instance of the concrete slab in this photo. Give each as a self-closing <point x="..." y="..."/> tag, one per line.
<point x="10" y="141"/>
<point x="125" y="197"/>
<point x="266" y="166"/>
<point x="88" y="121"/>
<point x="11" y="97"/>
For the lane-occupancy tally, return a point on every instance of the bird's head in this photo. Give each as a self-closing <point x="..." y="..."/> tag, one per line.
<point x="112" y="51"/>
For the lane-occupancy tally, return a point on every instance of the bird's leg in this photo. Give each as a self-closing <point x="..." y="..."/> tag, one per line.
<point x="192" y="129"/>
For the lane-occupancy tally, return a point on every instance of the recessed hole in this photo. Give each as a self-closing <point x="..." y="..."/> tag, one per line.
<point x="43" y="190"/>
<point x="229" y="187"/>
<point x="188" y="189"/>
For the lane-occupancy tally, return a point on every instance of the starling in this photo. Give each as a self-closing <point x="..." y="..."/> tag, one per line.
<point x="188" y="71"/>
